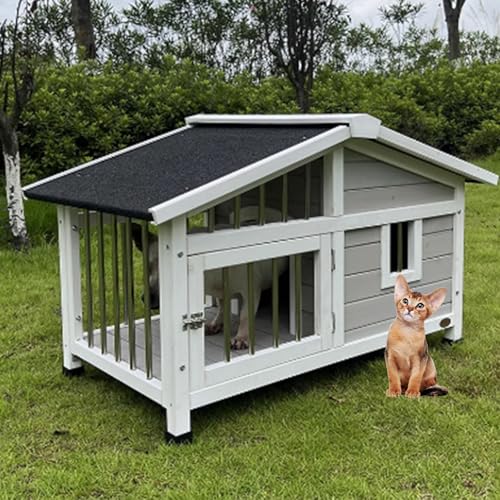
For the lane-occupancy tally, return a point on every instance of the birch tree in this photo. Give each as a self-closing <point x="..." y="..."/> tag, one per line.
<point x="16" y="84"/>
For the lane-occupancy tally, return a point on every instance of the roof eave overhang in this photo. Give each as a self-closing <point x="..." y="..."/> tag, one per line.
<point x="249" y="176"/>
<point x="432" y="155"/>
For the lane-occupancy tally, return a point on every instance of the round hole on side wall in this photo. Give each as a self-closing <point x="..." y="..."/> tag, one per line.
<point x="445" y="322"/>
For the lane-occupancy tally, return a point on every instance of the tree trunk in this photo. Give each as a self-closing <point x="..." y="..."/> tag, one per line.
<point x="13" y="191"/>
<point x="453" y="37"/>
<point x="84" y="31"/>
<point x="452" y="12"/>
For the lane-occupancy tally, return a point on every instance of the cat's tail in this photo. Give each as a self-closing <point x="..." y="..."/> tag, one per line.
<point x="434" y="390"/>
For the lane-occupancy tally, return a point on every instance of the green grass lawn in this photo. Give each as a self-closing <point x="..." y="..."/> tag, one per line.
<point x="328" y="434"/>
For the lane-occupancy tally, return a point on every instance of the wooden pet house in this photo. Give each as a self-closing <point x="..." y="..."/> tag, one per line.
<point x="307" y="218"/>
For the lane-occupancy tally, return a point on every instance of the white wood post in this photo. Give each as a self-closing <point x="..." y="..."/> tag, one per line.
<point x="323" y="320"/>
<point x="454" y="333"/>
<point x="71" y="299"/>
<point x="173" y="274"/>
<point x="338" y="306"/>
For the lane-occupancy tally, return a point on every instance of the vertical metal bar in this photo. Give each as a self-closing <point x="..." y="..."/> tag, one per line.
<point x="88" y="275"/>
<point x="124" y="271"/>
<point x="116" y="287"/>
<point x="226" y="304"/>
<point x="284" y="198"/>
<point x="148" y="338"/>
<point x="130" y="294"/>
<point x="102" y="281"/>
<point x="307" y="192"/>
<point x="276" y="311"/>
<point x="262" y="204"/>
<point x="211" y="220"/>
<point x="400" y="246"/>
<point x="251" y="308"/>
<point x="298" y="296"/>
<point x="237" y="212"/>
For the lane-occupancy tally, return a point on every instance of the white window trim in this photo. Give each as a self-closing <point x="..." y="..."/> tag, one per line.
<point x="415" y="243"/>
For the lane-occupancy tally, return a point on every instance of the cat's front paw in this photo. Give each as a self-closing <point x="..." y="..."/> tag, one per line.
<point x="412" y="394"/>
<point x="393" y="393"/>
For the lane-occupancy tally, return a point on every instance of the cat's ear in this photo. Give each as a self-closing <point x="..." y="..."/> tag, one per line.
<point x="401" y="288"/>
<point x="436" y="298"/>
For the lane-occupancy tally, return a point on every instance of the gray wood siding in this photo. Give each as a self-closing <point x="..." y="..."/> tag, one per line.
<point x="366" y="303"/>
<point x="370" y="184"/>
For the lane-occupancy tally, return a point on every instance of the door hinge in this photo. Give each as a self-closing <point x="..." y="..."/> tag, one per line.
<point x="193" y="322"/>
<point x="333" y="260"/>
<point x="333" y="322"/>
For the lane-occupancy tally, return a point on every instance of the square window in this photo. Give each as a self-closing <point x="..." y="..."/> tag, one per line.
<point x="401" y="251"/>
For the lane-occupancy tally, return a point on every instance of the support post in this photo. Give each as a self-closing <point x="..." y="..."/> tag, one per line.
<point x="173" y="274"/>
<point x="71" y="300"/>
<point x="454" y="333"/>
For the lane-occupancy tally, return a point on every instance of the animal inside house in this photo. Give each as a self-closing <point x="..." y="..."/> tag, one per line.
<point x="238" y="251"/>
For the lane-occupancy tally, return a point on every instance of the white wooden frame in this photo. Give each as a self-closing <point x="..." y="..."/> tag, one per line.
<point x="216" y="373"/>
<point x="415" y="243"/>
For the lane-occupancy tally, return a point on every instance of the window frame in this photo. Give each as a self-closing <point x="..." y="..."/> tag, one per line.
<point x="415" y="244"/>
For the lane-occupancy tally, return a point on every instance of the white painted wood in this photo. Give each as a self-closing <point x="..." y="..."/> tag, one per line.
<point x="196" y="291"/>
<point x="323" y="292"/>
<point x="362" y="125"/>
<point x="338" y="284"/>
<point x="261" y="360"/>
<point x="415" y="244"/>
<point x="69" y="268"/>
<point x="175" y="367"/>
<point x="328" y="187"/>
<point x="216" y="260"/>
<point x="455" y="332"/>
<point x="108" y="157"/>
<point x="338" y="181"/>
<point x="246" y="236"/>
<point x="120" y="370"/>
<point x="291" y="295"/>
<point x="248" y="177"/>
<point x="435" y="156"/>
<point x="295" y="367"/>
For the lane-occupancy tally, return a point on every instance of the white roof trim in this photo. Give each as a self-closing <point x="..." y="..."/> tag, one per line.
<point x="361" y="124"/>
<point x="107" y="157"/>
<point x="435" y="156"/>
<point x="249" y="176"/>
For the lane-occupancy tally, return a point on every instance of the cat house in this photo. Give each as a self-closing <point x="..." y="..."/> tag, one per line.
<point x="238" y="251"/>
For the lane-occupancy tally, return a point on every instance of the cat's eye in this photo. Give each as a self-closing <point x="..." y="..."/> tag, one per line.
<point x="405" y="302"/>
<point x="420" y="305"/>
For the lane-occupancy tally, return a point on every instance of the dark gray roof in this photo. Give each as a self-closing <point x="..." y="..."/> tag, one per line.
<point x="131" y="182"/>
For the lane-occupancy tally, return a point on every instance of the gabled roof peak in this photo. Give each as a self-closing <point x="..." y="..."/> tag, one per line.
<point x="361" y="124"/>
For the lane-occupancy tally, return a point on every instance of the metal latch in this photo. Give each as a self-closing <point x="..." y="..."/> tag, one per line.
<point x="194" y="322"/>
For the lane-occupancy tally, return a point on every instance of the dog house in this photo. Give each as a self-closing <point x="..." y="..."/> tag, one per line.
<point x="304" y="220"/>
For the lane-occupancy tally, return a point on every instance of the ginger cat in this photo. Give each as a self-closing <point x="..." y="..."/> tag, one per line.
<point x="410" y="368"/>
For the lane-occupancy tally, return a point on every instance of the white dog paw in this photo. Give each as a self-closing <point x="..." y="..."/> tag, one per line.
<point x="238" y="343"/>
